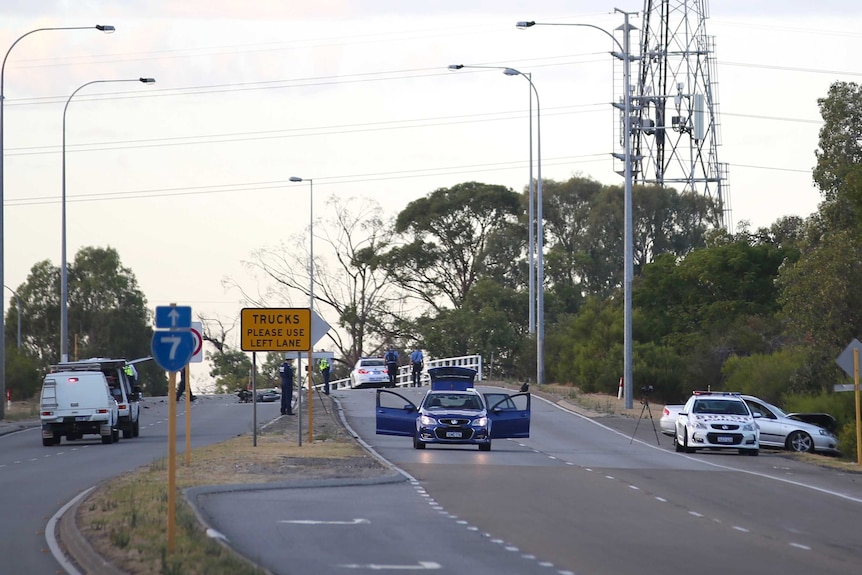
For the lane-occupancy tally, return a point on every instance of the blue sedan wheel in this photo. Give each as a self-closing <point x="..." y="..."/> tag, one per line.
<point x="419" y="444"/>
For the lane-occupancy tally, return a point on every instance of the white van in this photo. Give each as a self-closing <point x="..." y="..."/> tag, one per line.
<point x="75" y="403"/>
<point x="122" y="380"/>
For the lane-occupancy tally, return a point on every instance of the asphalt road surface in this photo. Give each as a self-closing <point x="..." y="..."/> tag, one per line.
<point x="589" y="498"/>
<point x="36" y="481"/>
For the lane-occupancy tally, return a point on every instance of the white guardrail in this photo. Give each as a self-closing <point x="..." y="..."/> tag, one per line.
<point x="405" y="372"/>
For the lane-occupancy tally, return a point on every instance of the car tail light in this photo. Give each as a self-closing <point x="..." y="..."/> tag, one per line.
<point x="101" y="411"/>
<point x="47" y="413"/>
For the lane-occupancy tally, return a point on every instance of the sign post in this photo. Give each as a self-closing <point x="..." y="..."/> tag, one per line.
<point x="173" y="346"/>
<point x="849" y="362"/>
<point x="282" y="330"/>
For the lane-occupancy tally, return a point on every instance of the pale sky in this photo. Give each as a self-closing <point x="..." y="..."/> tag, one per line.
<point x="189" y="176"/>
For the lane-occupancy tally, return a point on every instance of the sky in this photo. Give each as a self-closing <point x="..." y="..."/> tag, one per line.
<point x="188" y="177"/>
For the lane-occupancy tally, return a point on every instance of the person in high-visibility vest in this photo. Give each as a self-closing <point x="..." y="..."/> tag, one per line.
<point x="324" y="366"/>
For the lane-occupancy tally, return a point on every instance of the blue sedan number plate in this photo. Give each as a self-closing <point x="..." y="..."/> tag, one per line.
<point x="453" y="434"/>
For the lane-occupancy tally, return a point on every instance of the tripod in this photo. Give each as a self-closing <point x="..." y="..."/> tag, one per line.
<point x="645" y="404"/>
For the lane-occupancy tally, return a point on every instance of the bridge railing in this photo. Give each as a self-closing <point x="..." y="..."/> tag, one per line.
<point x="405" y="372"/>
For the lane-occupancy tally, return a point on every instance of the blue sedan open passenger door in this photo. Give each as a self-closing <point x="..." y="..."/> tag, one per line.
<point x="509" y="414"/>
<point x="396" y="415"/>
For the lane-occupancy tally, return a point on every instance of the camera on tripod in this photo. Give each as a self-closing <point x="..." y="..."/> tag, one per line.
<point x="646" y="389"/>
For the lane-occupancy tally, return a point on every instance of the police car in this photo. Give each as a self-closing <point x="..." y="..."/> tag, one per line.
<point x="717" y="420"/>
<point x="453" y="412"/>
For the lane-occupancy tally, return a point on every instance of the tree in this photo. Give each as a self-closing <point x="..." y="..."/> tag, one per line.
<point x="838" y="173"/>
<point x="231" y="368"/>
<point x="108" y="314"/>
<point x="491" y="323"/>
<point x="585" y="225"/>
<point x="449" y="234"/>
<point x="822" y="305"/>
<point x="358" y="288"/>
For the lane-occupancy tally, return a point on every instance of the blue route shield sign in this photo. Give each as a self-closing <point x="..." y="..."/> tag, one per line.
<point x="172" y="350"/>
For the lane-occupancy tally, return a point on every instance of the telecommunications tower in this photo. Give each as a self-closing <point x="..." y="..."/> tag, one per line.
<point x="675" y="127"/>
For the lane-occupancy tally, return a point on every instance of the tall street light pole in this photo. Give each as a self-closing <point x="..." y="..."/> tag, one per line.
<point x="310" y="290"/>
<point x="100" y="27"/>
<point x="628" y="271"/>
<point x="532" y="201"/>
<point x="64" y="271"/>
<point x="540" y="229"/>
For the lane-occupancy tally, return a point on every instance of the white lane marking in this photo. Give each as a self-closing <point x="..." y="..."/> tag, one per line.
<point x="317" y="522"/>
<point x="661" y="499"/>
<point x="709" y="463"/>
<point x="421" y="566"/>
<point x="800" y="546"/>
<point x="743" y="529"/>
<point x="635" y="487"/>
<point x="695" y="513"/>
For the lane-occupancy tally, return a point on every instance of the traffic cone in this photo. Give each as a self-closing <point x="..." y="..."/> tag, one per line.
<point x="620" y="391"/>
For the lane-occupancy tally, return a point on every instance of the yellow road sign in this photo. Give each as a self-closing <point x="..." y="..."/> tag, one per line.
<point x="275" y="329"/>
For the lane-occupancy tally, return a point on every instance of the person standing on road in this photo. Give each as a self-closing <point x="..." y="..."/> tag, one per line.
<point x="391" y="358"/>
<point x="324" y="366"/>
<point x="286" y="372"/>
<point x="417" y="359"/>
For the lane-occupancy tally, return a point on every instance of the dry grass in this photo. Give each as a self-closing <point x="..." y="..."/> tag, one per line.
<point x="21" y="410"/>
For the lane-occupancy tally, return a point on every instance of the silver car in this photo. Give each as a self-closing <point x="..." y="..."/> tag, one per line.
<point x="784" y="431"/>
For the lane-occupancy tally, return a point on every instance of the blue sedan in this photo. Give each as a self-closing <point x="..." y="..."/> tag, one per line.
<point x="452" y="412"/>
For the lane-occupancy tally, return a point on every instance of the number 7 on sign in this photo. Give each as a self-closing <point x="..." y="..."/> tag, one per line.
<point x="174" y="341"/>
<point x="172" y="350"/>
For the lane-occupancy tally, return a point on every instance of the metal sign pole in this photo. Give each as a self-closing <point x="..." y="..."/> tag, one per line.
<point x="856" y="391"/>
<point x="254" y="395"/>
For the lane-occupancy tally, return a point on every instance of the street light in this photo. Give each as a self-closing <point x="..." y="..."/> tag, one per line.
<point x="540" y="230"/>
<point x="310" y="289"/>
<point x="628" y="267"/>
<point x="104" y="28"/>
<point x="64" y="272"/>
<point x="532" y="201"/>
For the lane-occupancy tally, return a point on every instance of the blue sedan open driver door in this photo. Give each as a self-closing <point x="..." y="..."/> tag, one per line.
<point x="396" y="415"/>
<point x="509" y="414"/>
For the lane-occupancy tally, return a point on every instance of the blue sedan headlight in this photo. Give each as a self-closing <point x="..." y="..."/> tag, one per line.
<point x="425" y="420"/>
<point x="480" y="422"/>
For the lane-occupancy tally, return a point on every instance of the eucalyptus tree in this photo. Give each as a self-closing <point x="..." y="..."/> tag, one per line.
<point x="450" y="241"/>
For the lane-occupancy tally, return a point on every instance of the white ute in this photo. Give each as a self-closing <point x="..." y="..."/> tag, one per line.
<point x="77" y="403"/>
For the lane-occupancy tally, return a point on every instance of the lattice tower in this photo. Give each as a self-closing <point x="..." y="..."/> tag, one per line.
<point x="675" y="131"/>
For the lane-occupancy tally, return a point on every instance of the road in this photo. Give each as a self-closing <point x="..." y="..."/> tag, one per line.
<point x="36" y="481"/>
<point x="582" y="495"/>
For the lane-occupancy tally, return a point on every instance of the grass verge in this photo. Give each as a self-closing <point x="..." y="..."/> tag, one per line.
<point x="125" y="519"/>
